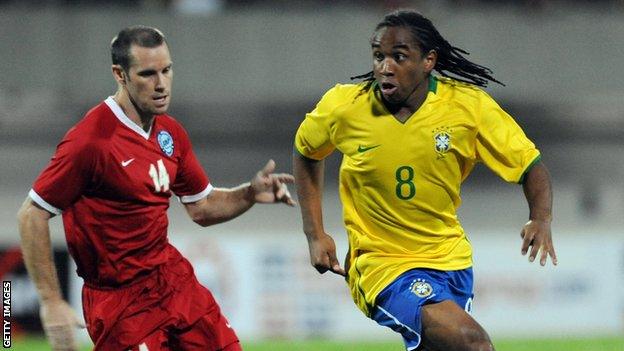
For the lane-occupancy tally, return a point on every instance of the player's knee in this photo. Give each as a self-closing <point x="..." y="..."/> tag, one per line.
<point x="482" y="345"/>
<point x="476" y="340"/>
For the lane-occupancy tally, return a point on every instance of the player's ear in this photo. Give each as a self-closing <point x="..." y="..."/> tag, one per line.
<point x="430" y="59"/>
<point x="119" y="74"/>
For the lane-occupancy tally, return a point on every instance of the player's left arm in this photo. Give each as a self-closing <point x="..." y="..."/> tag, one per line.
<point x="536" y="233"/>
<point x="223" y="204"/>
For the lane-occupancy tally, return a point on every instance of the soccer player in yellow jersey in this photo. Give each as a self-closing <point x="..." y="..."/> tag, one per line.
<point x="408" y="140"/>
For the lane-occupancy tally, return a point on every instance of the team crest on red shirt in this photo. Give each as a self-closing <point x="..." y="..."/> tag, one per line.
<point x="166" y="142"/>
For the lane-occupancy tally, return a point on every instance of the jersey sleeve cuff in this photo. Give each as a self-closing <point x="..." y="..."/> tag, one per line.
<point x="526" y="171"/>
<point x="43" y="203"/>
<point x="302" y="154"/>
<point x="194" y="198"/>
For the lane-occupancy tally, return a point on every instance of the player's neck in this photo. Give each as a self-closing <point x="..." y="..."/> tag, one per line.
<point x="404" y="110"/>
<point x="129" y="107"/>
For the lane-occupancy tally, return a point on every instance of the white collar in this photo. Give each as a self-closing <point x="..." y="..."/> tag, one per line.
<point x="121" y="116"/>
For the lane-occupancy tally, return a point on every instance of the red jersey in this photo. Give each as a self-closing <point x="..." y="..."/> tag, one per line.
<point x="112" y="182"/>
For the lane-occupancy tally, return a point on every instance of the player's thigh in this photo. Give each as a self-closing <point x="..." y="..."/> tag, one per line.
<point x="212" y="332"/>
<point x="399" y="306"/>
<point x="447" y="327"/>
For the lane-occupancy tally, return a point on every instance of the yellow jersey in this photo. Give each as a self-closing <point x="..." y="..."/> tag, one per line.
<point x="400" y="182"/>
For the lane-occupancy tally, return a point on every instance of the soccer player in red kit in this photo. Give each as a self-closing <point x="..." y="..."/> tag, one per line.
<point x="111" y="179"/>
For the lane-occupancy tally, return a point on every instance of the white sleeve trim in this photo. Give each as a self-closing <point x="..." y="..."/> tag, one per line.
<point x="43" y="203"/>
<point x="193" y="198"/>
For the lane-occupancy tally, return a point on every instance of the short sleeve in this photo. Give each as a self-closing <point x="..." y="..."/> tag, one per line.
<point x="313" y="138"/>
<point x="501" y="143"/>
<point x="191" y="182"/>
<point x="68" y="174"/>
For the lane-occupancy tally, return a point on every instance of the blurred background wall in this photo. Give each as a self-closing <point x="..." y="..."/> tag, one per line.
<point x="246" y="72"/>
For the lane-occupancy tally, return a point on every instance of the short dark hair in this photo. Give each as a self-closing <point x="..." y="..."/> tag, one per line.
<point x="451" y="59"/>
<point x="143" y="36"/>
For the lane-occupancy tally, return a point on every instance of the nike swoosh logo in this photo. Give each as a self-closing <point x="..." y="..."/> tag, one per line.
<point x="366" y="148"/>
<point x="127" y="162"/>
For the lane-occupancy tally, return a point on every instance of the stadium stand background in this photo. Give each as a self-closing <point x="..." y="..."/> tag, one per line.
<point x="246" y="72"/>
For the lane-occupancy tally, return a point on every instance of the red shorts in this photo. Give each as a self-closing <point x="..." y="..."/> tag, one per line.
<point x="168" y="310"/>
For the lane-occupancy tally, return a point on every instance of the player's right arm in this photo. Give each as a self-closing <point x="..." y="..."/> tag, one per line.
<point x="58" y="186"/>
<point x="57" y="317"/>
<point x="313" y="142"/>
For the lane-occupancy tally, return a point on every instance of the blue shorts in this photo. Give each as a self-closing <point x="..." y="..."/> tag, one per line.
<point x="398" y="306"/>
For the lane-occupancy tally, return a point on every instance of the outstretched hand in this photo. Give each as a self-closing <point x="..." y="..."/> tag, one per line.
<point x="536" y="236"/>
<point x="269" y="187"/>
<point x="323" y="255"/>
<point x="59" y="323"/>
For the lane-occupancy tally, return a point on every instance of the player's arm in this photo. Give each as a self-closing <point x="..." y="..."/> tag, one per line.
<point x="57" y="317"/>
<point x="223" y="204"/>
<point x="536" y="233"/>
<point x="309" y="176"/>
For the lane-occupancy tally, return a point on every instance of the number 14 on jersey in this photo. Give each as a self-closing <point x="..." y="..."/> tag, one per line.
<point x="159" y="176"/>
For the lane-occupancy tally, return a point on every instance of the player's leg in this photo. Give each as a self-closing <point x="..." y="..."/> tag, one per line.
<point x="158" y="340"/>
<point x="199" y="324"/>
<point x="423" y="306"/>
<point x="124" y="319"/>
<point x="212" y="332"/>
<point x="193" y="339"/>
<point x="446" y="326"/>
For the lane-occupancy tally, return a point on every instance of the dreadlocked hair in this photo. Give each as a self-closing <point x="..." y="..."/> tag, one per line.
<point x="450" y="58"/>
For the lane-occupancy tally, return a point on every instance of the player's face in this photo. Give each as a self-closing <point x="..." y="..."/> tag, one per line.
<point x="149" y="79"/>
<point x="399" y="66"/>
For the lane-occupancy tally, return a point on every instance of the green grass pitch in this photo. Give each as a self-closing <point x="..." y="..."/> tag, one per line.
<point x="593" y="344"/>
